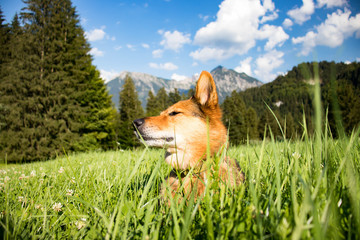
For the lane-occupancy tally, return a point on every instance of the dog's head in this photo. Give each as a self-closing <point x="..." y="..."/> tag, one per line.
<point x="185" y="127"/>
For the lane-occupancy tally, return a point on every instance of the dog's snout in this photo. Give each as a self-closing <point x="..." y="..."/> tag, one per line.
<point x="138" y="122"/>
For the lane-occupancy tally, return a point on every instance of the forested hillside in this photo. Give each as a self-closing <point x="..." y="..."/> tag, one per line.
<point x="290" y="97"/>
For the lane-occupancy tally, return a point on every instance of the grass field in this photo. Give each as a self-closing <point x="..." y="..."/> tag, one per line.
<point x="308" y="189"/>
<point x="303" y="189"/>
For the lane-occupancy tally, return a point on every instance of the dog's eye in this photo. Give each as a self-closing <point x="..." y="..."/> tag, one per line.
<point x="173" y="113"/>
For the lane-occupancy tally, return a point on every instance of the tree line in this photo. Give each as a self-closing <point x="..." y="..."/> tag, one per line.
<point x="52" y="99"/>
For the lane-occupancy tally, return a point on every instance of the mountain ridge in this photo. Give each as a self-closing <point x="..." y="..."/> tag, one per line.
<point x="227" y="80"/>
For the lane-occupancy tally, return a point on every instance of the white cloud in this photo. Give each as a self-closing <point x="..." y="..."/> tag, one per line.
<point x="117" y="48"/>
<point x="96" y="52"/>
<point x="287" y="23"/>
<point x="269" y="5"/>
<point x="245" y="66"/>
<point x="271" y="17"/>
<point x="275" y="35"/>
<point x="195" y="64"/>
<point x="178" y="77"/>
<point x="108" y="75"/>
<point x="266" y="63"/>
<point x="174" y="40"/>
<point x="236" y="30"/>
<point x="347" y="62"/>
<point x="331" y="3"/>
<point x="358" y="59"/>
<point x="302" y="14"/>
<point x="96" y="34"/>
<point x="164" y="66"/>
<point x="203" y="17"/>
<point x="337" y="27"/>
<point x="207" y="53"/>
<point x="131" y="47"/>
<point x="145" y="45"/>
<point x="157" y="53"/>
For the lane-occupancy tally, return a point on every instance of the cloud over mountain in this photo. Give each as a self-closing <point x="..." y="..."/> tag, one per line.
<point x="236" y="29"/>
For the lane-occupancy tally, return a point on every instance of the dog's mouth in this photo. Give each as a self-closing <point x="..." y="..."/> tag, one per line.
<point x="167" y="139"/>
<point x="149" y="139"/>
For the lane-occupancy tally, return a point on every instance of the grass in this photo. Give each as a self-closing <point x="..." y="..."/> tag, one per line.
<point x="308" y="189"/>
<point x="115" y="195"/>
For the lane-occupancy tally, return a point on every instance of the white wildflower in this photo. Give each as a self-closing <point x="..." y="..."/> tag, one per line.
<point x="69" y="192"/>
<point x="61" y="170"/>
<point x="33" y="173"/>
<point x="21" y="199"/>
<point x="57" y="207"/>
<point x="81" y="223"/>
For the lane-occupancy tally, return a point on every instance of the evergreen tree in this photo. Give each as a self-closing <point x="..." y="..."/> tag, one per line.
<point x="162" y="99"/>
<point x="174" y="97"/>
<point x="234" y="111"/>
<point x="252" y="123"/>
<point x="290" y="129"/>
<point x="4" y="40"/>
<point x="58" y="97"/>
<point x="152" y="108"/>
<point x="129" y="110"/>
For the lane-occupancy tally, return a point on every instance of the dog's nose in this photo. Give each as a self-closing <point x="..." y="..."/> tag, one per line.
<point x="138" y="122"/>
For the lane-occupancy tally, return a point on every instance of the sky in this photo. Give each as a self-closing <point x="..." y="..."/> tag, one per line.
<point x="176" y="39"/>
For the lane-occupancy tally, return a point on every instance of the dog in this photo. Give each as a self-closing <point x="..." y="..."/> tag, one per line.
<point x="192" y="133"/>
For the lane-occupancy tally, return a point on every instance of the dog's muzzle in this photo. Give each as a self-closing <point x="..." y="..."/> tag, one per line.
<point x="138" y="125"/>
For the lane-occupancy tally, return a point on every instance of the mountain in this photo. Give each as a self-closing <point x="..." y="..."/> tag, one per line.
<point x="227" y="80"/>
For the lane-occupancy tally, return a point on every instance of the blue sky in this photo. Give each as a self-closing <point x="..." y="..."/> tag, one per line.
<point x="179" y="38"/>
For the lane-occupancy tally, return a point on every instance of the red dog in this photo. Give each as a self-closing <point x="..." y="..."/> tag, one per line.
<point x="184" y="130"/>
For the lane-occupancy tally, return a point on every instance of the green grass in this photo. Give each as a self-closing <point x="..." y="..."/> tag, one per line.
<point x="308" y="189"/>
<point x="115" y="195"/>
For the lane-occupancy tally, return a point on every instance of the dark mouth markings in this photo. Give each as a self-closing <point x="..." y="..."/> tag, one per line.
<point x="167" y="139"/>
<point x="147" y="138"/>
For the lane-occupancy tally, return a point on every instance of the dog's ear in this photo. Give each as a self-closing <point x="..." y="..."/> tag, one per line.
<point x="205" y="92"/>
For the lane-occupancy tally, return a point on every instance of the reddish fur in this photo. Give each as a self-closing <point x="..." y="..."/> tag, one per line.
<point x="189" y="129"/>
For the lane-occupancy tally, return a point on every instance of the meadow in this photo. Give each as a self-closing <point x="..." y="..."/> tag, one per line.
<point x="305" y="189"/>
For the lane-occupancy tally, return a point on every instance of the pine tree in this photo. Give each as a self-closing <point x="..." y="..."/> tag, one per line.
<point x="4" y="40"/>
<point x="162" y="99"/>
<point x="59" y="97"/>
<point x="290" y="127"/>
<point x="234" y="111"/>
<point x="252" y="123"/>
<point x="174" y="96"/>
<point x="152" y="108"/>
<point x="129" y="110"/>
